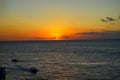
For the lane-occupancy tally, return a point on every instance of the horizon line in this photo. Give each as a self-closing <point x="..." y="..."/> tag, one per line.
<point x="54" y="40"/>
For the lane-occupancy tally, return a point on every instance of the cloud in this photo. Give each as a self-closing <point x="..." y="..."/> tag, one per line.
<point x="103" y="20"/>
<point x="108" y="19"/>
<point x="104" y="34"/>
<point x="100" y="35"/>
<point x="88" y="33"/>
<point x="119" y="17"/>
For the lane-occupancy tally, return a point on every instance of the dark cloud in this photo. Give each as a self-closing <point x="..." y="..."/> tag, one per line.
<point x="88" y="33"/>
<point x="101" y="35"/>
<point x="119" y="17"/>
<point x="103" y="32"/>
<point x="108" y="19"/>
<point x="103" y="20"/>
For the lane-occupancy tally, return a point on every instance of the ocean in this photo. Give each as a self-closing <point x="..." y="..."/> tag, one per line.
<point x="62" y="60"/>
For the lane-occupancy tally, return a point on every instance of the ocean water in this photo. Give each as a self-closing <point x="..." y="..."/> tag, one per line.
<point x="63" y="60"/>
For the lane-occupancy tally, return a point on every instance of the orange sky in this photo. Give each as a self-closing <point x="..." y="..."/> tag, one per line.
<point x="59" y="19"/>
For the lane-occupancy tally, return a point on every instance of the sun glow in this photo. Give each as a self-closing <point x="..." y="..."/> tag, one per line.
<point x="57" y="36"/>
<point x="55" y="31"/>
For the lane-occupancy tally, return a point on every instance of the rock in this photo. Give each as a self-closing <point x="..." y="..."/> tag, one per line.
<point x="2" y="73"/>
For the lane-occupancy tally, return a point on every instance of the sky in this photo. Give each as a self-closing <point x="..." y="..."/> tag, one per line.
<point x="59" y="19"/>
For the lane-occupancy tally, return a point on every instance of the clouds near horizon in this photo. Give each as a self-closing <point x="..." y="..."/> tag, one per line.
<point x="95" y="35"/>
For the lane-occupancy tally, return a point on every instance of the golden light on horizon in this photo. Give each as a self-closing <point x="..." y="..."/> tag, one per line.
<point x="57" y="36"/>
<point x="57" y="32"/>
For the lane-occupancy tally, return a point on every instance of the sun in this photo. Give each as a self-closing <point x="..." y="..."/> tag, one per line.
<point x="56" y="38"/>
<point x="57" y="35"/>
<point x="55" y="32"/>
